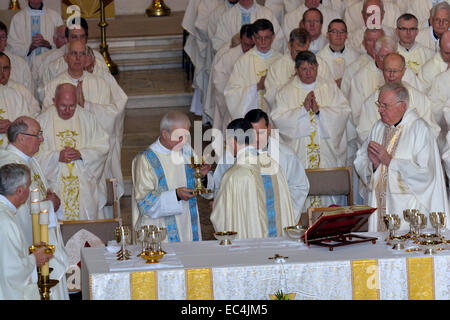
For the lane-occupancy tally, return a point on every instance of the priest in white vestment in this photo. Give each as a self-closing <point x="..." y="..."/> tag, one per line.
<point x="40" y="63"/>
<point x="253" y="199"/>
<point x="31" y="30"/>
<point x="245" y="88"/>
<point x="400" y="163"/>
<point x="292" y="18"/>
<point x="163" y="182"/>
<point x="214" y="18"/>
<point x="370" y="77"/>
<point x="103" y="98"/>
<point x="356" y="15"/>
<point x="439" y="95"/>
<point x="20" y="71"/>
<point x="25" y="137"/>
<point x="311" y="115"/>
<point x="245" y="12"/>
<point x="224" y="62"/>
<point x="415" y="53"/>
<point x="337" y="54"/>
<point x="18" y="276"/>
<point x="312" y="21"/>
<point x="370" y="38"/>
<point x="13" y="100"/>
<point x="440" y="62"/>
<point x="421" y="9"/>
<point x="283" y="69"/>
<point x="73" y="155"/>
<point x="439" y="20"/>
<point x="394" y="67"/>
<point x="59" y="64"/>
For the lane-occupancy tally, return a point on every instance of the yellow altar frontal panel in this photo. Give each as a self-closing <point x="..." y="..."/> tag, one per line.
<point x="420" y="278"/>
<point x="199" y="284"/>
<point x="365" y="281"/>
<point x="144" y="285"/>
<point x="90" y="9"/>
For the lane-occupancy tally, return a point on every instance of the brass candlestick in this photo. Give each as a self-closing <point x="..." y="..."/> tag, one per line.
<point x="14" y="5"/>
<point x="103" y="46"/>
<point x="199" y="188"/>
<point x="44" y="282"/>
<point x="158" y="9"/>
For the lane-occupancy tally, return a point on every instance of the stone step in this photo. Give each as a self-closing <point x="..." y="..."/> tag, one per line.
<point x="145" y="52"/>
<point x="148" y="64"/>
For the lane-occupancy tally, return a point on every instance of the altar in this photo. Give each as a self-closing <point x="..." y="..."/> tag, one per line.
<point x="252" y="269"/>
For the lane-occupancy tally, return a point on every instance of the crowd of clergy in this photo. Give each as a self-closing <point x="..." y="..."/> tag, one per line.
<point x="289" y="85"/>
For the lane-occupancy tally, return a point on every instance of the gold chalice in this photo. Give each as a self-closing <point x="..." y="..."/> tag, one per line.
<point x="196" y="165"/>
<point x="407" y="216"/>
<point x="437" y="220"/>
<point x="122" y="234"/>
<point x="141" y="235"/>
<point x="163" y="232"/>
<point x="225" y="237"/>
<point x="392" y="222"/>
<point x="295" y="232"/>
<point x="419" y="222"/>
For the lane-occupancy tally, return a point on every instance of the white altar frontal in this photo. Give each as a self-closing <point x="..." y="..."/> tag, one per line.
<point x="249" y="270"/>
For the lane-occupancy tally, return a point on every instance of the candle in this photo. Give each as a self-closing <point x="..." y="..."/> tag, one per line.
<point x="43" y="221"/>
<point x="35" y="209"/>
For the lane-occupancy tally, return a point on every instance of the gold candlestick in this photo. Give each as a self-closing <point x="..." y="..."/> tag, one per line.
<point x="158" y="9"/>
<point x="103" y="46"/>
<point x="44" y="282"/>
<point x="14" y="5"/>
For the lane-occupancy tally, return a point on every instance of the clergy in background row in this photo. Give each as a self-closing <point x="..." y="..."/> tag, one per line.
<point x="336" y="54"/>
<point x="283" y="69"/>
<point x="370" y="38"/>
<point x="245" y="12"/>
<point x="437" y="64"/>
<point x="415" y="53"/>
<point x="439" y="23"/>
<point x="224" y="62"/>
<point x="15" y="100"/>
<point x="20" y="71"/>
<point x="292" y="18"/>
<point x="31" y="30"/>
<point x="311" y="115"/>
<point x="73" y="155"/>
<point x="421" y="9"/>
<point x="253" y="198"/>
<point x="356" y="15"/>
<point x="312" y="21"/>
<point x="163" y="182"/>
<point x="394" y="68"/>
<point x="246" y="86"/>
<point x="25" y="137"/>
<point x="400" y="163"/>
<point x="370" y="77"/>
<point x="18" y="276"/>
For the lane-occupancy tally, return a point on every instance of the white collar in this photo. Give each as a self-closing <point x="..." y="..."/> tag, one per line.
<point x="19" y="152"/>
<point x="250" y="149"/>
<point x="250" y="10"/>
<point x="228" y="4"/>
<point x="308" y="87"/>
<point x="158" y="147"/>
<point x="8" y="203"/>
<point x="34" y="12"/>
<point x="76" y="80"/>
<point x="263" y="55"/>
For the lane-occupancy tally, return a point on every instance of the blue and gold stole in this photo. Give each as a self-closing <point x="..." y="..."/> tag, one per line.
<point x="35" y="29"/>
<point x="270" y="205"/>
<point x="170" y="221"/>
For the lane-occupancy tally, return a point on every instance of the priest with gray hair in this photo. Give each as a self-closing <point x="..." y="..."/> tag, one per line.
<point x="399" y="164"/>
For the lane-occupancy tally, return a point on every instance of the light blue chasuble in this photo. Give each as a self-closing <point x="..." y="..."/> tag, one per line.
<point x="270" y="205"/>
<point x="170" y="221"/>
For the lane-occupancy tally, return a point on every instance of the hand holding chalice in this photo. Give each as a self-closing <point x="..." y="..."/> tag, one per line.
<point x="200" y="169"/>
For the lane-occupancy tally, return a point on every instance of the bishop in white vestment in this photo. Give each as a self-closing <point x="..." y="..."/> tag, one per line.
<point x="400" y="163"/>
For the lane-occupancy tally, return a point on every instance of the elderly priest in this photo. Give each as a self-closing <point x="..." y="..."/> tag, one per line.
<point x="18" y="276"/>
<point x="73" y="155"/>
<point x="399" y="163"/>
<point x="163" y="182"/>
<point x="253" y="197"/>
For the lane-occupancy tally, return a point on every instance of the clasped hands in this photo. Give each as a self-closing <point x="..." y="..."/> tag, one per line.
<point x="39" y="41"/>
<point x="310" y="102"/>
<point x="4" y="125"/>
<point x="69" y="154"/>
<point x="378" y="155"/>
<point x="184" y="193"/>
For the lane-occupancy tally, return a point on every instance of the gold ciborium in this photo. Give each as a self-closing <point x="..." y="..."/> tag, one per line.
<point x="199" y="188"/>
<point x="44" y="282"/>
<point x="14" y="5"/>
<point x="158" y="9"/>
<point x="225" y="237"/>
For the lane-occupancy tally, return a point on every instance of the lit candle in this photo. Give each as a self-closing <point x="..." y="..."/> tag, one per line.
<point x="35" y="209"/>
<point x="43" y="221"/>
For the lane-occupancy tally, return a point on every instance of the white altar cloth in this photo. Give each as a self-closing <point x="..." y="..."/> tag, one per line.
<point x="244" y="271"/>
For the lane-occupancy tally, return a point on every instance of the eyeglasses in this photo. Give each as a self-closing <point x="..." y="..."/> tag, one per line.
<point x="337" y="31"/>
<point x="39" y="135"/>
<point x="385" y="106"/>
<point x="407" y="29"/>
